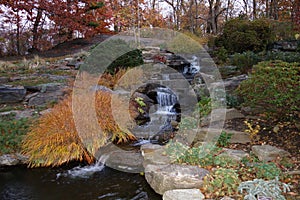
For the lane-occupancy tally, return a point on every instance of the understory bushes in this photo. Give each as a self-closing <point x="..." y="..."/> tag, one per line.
<point x="273" y="88"/>
<point x="245" y="61"/>
<point x="242" y="35"/>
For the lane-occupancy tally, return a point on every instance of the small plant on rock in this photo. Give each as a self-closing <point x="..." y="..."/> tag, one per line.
<point x="267" y="171"/>
<point x="260" y="187"/>
<point x="224" y="139"/>
<point x="188" y="123"/>
<point x="225" y="161"/>
<point x="203" y="155"/>
<point x="253" y="131"/>
<point x="141" y="104"/>
<point x="204" y="106"/>
<point x="221" y="182"/>
<point x="175" y="150"/>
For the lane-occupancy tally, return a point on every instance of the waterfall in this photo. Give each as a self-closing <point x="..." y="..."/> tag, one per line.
<point x="161" y="115"/>
<point x="85" y="171"/>
<point x="166" y="100"/>
<point x="194" y="66"/>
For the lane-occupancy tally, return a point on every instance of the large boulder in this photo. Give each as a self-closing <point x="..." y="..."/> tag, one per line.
<point x="154" y="155"/>
<point x="126" y="160"/>
<point x="12" y="94"/>
<point x="209" y="134"/>
<point x="186" y="194"/>
<point x="47" y="93"/>
<point x="12" y="159"/>
<point x="268" y="153"/>
<point x="235" y="155"/>
<point x="168" y="177"/>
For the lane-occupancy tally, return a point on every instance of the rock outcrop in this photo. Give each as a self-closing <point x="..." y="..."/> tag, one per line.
<point x="168" y="177"/>
<point x="186" y="194"/>
<point x="268" y="153"/>
<point x="12" y="94"/>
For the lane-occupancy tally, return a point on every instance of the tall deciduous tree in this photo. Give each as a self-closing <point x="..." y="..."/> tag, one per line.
<point x="215" y="10"/>
<point x="54" y="20"/>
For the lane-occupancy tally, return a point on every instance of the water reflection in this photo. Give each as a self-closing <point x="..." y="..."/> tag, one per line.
<point x="108" y="184"/>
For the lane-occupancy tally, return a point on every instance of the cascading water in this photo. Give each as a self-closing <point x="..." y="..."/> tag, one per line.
<point x="166" y="101"/>
<point x="161" y="115"/>
<point x="193" y="68"/>
<point x="85" y="171"/>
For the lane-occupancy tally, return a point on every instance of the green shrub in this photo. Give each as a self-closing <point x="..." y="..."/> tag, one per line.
<point x="113" y="55"/>
<point x="221" y="182"/>
<point x="128" y="60"/>
<point x="245" y="61"/>
<point x="225" y="161"/>
<point x="204" y="106"/>
<point x="203" y="155"/>
<point x="222" y="55"/>
<point x="12" y="132"/>
<point x="284" y="56"/>
<point x="224" y="139"/>
<point x="273" y="88"/>
<point x="188" y="123"/>
<point x="232" y="101"/>
<point x="283" y="30"/>
<point x="242" y="35"/>
<point x="267" y="171"/>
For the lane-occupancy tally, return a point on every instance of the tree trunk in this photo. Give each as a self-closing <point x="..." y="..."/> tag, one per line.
<point x="214" y="12"/>
<point x="191" y="17"/>
<point x="196" y="18"/>
<point x="18" y="34"/>
<point x="267" y="9"/>
<point x="254" y="9"/>
<point x="35" y="29"/>
<point x="246" y="7"/>
<point x="227" y="10"/>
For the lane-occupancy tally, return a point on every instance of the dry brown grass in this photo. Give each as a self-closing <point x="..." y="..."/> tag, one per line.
<point x="54" y="139"/>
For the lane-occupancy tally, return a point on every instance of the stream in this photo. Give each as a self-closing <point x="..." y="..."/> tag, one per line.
<point x="74" y="183"/>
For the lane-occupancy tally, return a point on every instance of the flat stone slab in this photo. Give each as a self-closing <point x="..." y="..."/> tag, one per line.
<point x="233" y="113"/>
<point x="169" y="177"/>
<point x="12" y="94"/>
<point x="12" y="159"/>
<point x="221" y="115"/>
<point x="236" y="155"/>
<point x="186" y="194"/>
<point x="154" y="154"/>
<point x="268" y="153"/>
<point x="122" y="160"/>
<point x="208" y="134"/>
<point x="27" y="113"/>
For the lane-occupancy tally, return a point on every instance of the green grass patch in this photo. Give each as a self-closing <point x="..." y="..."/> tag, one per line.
<point x="12" y="132"/>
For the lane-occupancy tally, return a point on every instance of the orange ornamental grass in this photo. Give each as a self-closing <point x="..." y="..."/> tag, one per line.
<point x="54" y="140"/>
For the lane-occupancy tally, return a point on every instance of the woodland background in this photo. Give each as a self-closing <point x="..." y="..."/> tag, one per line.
<point x="37" y="25"/>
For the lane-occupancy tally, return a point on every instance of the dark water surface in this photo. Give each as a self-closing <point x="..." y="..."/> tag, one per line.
<point x="20" y="183"/>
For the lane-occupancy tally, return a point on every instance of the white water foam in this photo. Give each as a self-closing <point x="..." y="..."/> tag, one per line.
<point x="85" y="171"/>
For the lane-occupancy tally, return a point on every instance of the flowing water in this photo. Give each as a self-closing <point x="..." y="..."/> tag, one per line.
<point x="78" y="183"/>
<point x="160" y="114"/>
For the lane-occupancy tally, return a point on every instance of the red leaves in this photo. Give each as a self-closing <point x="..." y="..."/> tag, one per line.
<point x="53" y="21"/>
